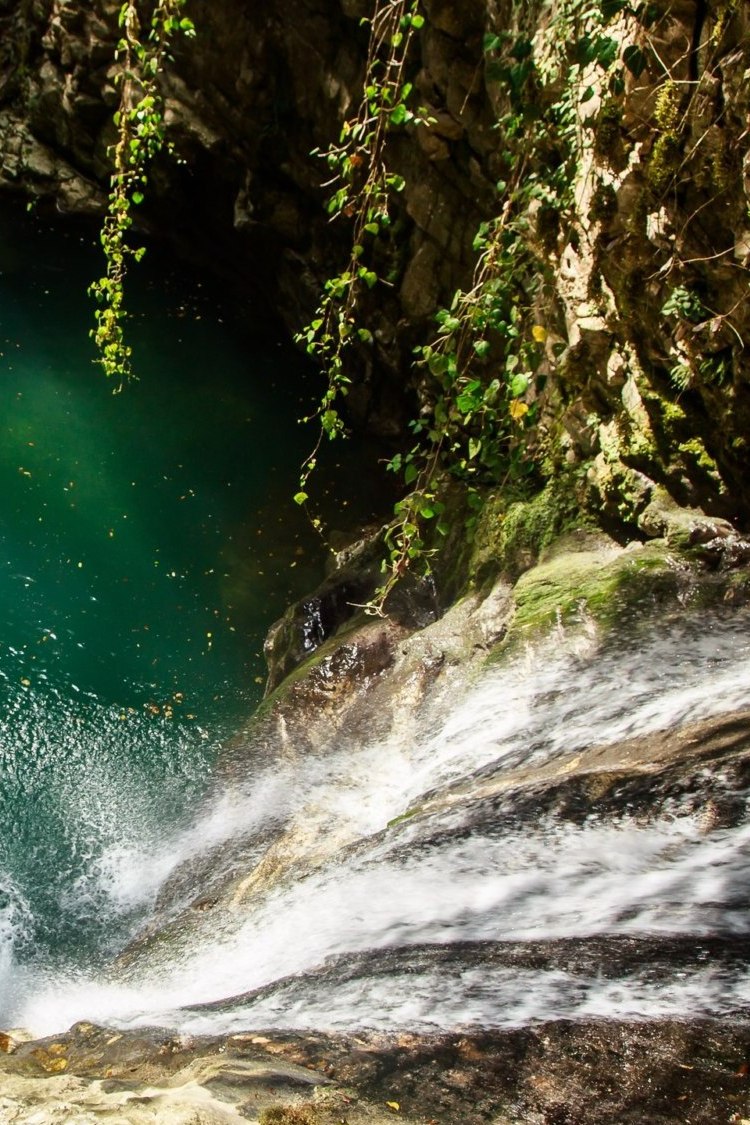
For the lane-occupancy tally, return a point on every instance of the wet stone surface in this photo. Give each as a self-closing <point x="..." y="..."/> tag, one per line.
<point x="694" y="1072"/>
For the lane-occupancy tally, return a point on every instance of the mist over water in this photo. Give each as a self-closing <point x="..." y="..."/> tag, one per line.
<point x="141" y="538"/>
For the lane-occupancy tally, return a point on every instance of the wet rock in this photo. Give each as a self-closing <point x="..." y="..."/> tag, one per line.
<point x="305" y="627"/>
<point x="712" y="538"/>
<point x="596" y="577"/>
<point x="699" y="770"/>
<point x="681" y="527"/>
<point x="592" y="1073"/>
<point x="308" y="624"/>
<point x="11" y="1040"/>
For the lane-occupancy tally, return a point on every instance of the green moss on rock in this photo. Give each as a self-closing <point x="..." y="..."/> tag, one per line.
<point x="598" y="579"/>
<point x="510" y="536"/>
<point x="588" y="577"/>
<point x="673" y="417"/>
<point x="608" y="130"/>
<point x="696" y="451"/>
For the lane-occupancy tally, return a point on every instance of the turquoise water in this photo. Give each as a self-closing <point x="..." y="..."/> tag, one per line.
<point x="148" y="541"/>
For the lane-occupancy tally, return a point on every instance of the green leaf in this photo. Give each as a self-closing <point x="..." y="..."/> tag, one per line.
<point x="607" y="50"/>
<point x="492" y="392"/>
<point x="300" y="497"/>
<point x="616" y="83"/>
<point x="410" y="473"/>
<point x="437" y="363"/>
<point x="522" y="48"/>
<point x="634" y="60"/>
<point x="519" y="385"/>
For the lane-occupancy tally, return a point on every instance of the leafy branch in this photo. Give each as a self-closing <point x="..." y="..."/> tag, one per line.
<point x="140" y="124"/>
<point x="363" y="188"/>
<point x="481" y="376"/>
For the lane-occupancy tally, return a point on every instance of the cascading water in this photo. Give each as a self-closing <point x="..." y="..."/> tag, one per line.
<point x="481" y="912"/>
<point x="451" y="876"/>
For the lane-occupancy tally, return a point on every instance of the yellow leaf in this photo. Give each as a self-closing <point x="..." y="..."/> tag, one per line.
<point x="539" y="332"/>
<point x="517" y="410"/>
<point x="394" y="1106"/>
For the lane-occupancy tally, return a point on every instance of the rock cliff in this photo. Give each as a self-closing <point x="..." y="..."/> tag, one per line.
<point x="640" y="275"/>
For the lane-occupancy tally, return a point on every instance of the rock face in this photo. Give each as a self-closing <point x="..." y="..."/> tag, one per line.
<point x="644" y="267"/>
<point x="555" y="1074"/>
<point x="376" y="689"/>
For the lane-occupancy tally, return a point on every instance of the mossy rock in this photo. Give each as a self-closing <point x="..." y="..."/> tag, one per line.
<point x="509" y="537"/>
<point x="587" y="576"/>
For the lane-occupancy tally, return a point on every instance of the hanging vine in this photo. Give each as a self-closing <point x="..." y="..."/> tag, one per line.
<point x="140" y="127"/>
<point x="482" y="373"/>
<point x="363" y="192"/>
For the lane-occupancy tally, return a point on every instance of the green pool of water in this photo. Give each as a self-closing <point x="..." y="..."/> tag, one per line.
<point x="148" y="541"/>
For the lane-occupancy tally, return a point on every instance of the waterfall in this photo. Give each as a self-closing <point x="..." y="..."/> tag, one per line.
<point x="521" y="859"/>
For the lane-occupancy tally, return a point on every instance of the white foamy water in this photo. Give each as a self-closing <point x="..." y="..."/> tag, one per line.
<point x="445" y="882"/>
